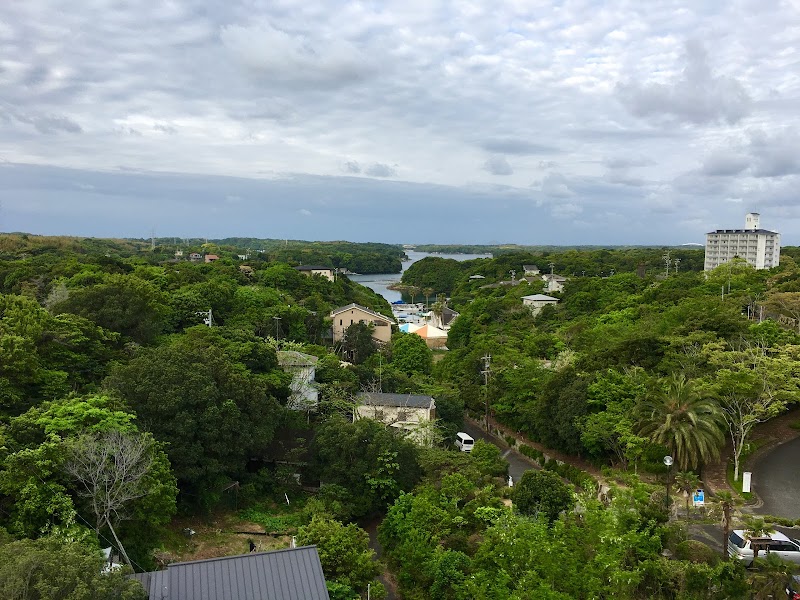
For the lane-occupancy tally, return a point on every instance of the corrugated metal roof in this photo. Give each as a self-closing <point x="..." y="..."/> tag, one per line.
<point x="382" y="399"/>
<point x="291" y="574"/>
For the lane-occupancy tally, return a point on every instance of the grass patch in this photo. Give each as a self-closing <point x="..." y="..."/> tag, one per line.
<point x="795" y="424"/>
<point x="275" y="518"/>
<point x="748" y="451"/>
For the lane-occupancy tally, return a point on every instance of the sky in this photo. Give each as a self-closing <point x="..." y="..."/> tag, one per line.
<point x="417" y="121"/>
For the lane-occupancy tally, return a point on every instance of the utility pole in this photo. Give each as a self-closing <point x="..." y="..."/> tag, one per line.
<point x="676" y="262"/>
<point x="552" y="266"/>
<point x="667" y="262"/>
<point x="277" y="327"/>
<point x="487" y="359"/>
<point x="513" y="275"/>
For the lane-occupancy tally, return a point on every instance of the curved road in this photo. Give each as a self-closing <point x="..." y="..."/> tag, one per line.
<point x="776" y="480"/>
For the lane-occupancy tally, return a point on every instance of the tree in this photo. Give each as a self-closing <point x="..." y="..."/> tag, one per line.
<point x="757" y="529"/>
<point x="727" y="502"/>
<point x="126" y="304"/>
<point x="344" y="553"/>
<point x="687" y="482"/>
<point x="771" y="577"/>
<point x="411" y="354"/>
<point x="358" y="344"/>
<point x="212" y="411"/>
<point x="688" y="425"/>
<point x="373" y="462"/>
<point x="542" y="493"/>
<point x="52" y="568"/>
<point x="112" y="469"/>
<point x="787" y="304"/>
<point x="754" y="384"/>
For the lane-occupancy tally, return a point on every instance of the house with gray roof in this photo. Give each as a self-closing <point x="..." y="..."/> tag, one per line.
<point x="536" y="302"/>
<point x="291" y="574"/>
<point x="411" y="413"/>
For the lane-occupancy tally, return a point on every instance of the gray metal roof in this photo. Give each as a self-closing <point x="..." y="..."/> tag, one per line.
<point x="401" y="400"/>
<point x="291" y="574"/>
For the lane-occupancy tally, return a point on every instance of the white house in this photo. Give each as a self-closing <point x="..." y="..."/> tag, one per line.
<point x="554" y="283"/>
<point x="530" y="269"/>
<point x="411" y="413"/>
<point x="311" y="270"/>
<point x="536" y="302"/>
<point x="303" y="369"/>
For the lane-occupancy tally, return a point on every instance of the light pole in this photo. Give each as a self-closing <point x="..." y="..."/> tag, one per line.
<point x="668" y="462"/>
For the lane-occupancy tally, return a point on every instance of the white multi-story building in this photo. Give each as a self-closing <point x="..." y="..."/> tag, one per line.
<point x="759" y="247"/>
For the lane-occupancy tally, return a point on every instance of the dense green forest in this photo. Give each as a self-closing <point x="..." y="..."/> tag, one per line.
<point x="104" y="353"/>
<point x="354" y="257"/>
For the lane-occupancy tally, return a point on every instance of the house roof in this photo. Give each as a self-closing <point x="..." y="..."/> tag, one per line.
<point x="291" y="574"/>
<point x="530" y="268"/>
<point x="477" y="277"/>
<point x="430" y="332"/>
<point x="336" y="311"/>
<point x="401" y="400"/>
<point x="313" y="268"/>
<point x="291" y="358"/>
<point x="540" y="298"/>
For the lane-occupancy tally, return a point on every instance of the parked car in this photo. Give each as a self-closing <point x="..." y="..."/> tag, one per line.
<point x="793" y="590"/>
<point x="740" y="547"/>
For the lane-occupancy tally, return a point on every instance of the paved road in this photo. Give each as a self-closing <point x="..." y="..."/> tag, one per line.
<point x="776" y="480"/>
<point x="517" y="464"/>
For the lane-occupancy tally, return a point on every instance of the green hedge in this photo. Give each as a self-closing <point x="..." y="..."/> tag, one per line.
<point x="572" y="474"/>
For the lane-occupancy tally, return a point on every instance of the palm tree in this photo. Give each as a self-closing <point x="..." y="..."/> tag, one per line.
<point x="771" y="576"/>
<point x="757" y="529"/>
<point x="688" y="425"/>
<point x="428" y="292"/>
<point x="687" y="483"/>
<point x="727" y="502"/>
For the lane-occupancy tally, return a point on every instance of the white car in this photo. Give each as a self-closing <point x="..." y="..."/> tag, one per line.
<point x="740" y="547"/>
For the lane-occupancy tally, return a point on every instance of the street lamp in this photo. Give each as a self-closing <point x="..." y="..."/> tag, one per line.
<point x="668" y="462"/>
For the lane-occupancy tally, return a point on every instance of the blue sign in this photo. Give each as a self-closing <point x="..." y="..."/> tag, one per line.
<point x="699" y="498"/>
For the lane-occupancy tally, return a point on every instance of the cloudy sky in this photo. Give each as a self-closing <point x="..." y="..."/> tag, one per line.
<point x="528" y="121"/>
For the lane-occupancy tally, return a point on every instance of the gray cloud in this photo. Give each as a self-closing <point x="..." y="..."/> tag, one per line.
<point x="724" y="165"/>
<point x="518" y="146"/>
<point x="380" y="170"/>
<point x="351" y="166"/>
<point x="556" y="185"/>
<point x="697" y="95"/>
<point x="295" y="57"/>
<point x="627" y="162"/>
<point x="775" y="154"/>
<point x="498" y="165"/>
<point x="43" y="123"/>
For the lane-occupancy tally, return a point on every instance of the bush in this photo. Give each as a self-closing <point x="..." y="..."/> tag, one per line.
<point x="531" y="452"/>
<point x="696" y="552"/>
<point x="572" y="474"/>
<point x="510" y="440"/>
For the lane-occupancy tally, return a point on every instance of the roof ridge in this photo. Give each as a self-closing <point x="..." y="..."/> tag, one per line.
<point x="247" y="554"/>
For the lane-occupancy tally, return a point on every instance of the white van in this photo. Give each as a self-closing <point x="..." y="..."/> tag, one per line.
<point x="464" y="441"/>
